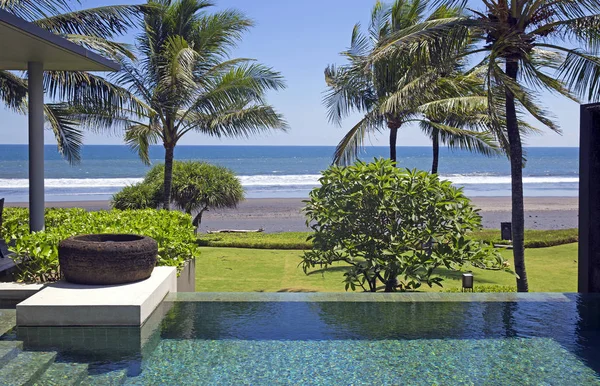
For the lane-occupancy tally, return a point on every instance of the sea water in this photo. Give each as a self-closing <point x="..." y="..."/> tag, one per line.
<point x="280" y="171"/>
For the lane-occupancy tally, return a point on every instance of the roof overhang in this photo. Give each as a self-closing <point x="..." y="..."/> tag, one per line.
<point x="22" y="42"/>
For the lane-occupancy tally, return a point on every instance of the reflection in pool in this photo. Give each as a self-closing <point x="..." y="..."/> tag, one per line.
<point x="532" y="339"/>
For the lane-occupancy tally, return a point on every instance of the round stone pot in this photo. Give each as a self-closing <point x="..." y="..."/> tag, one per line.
<point x="107" y="258"/>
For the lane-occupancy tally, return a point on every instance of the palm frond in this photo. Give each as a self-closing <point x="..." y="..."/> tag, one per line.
<point x="239" y="121"/>
<point x="87" y="89"/>
<point x="34" y="9"/>
<point x="349" y="147"/>
<point x="139" y="137"/>
<point x="68" y="135"/>
<point x="107" y="48"/>
<point x="580" y="71"/>
<point x="102" y="22"/>
<point x="214" y="35"/>
<point x="348" y="91"/>
<point x="13" y="90"/>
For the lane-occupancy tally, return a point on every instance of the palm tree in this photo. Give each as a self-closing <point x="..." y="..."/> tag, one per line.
<point x="186" y="82"/>
<point x="92" y="28"/>
<point x="394" y="91"/>
<point x="456" y="100"/>
<point x="525" y="45"/>
<point x="482" y="144"/>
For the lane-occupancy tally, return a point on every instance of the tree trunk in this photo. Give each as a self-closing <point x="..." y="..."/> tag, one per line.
<point x="393" y="123"/>
<point x="168" y="181"/>
<point x="198" y="219"/>
<point x="516" y="171"/>
<point x="436" y="150"/>
<point x="393" y="136"/>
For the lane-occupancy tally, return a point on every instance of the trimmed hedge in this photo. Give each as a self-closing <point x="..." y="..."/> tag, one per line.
<point x="297" y="240"/>
<point x="485" y="288"/>
<point x="38" y="251"/>
<point x="534" y="238"/>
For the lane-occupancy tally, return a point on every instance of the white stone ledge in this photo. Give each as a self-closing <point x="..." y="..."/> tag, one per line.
<point x="18" y="291"/>
<point x="67" y="304"/>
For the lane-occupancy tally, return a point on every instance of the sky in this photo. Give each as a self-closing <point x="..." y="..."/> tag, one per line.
<point x="299" y="39"/>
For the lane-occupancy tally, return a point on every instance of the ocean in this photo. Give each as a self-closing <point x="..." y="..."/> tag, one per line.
<point x="280" y="171"/>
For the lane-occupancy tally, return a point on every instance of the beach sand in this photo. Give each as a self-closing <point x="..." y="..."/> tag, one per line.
<point x="284" y="214"/>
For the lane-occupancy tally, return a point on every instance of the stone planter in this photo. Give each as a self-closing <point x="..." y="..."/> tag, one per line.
<point x="105" y="259"/>
<point x="186" y="281"/>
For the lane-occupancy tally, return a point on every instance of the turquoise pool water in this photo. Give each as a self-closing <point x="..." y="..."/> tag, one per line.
<point x="324" y="339"/>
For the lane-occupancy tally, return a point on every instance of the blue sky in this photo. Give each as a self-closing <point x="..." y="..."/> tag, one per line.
<point x="299" y="39"/>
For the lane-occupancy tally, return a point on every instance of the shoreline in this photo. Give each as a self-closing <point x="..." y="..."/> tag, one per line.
<point x="284" y="214"/>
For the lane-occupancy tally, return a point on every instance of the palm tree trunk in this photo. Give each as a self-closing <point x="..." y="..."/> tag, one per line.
<point x="435" y="136"/>
<point x="168" y="181"/>
<point x="393" y="123"/>
<point x="393" y="136"/>
<point x="516" y="171"/>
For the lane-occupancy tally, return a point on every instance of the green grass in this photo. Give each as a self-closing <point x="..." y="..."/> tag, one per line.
<point x="551" y="269"/>
<point x="297" y="240"/>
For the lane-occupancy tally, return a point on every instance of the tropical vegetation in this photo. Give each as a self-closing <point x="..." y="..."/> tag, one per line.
<point x="36" y="253"/>
<point x="185" y="81"/>
<point x="95" y="29"/>
<point x="392" y="226"/>
<point x="523" y="46"/>
<point x="196" y="188"/>
<point x="397" y="90"/>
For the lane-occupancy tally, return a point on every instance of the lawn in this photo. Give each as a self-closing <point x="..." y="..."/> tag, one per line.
<point x="552" y="269"/>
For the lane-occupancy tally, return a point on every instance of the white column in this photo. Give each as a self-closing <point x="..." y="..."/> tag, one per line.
<point x="35" y="73"/>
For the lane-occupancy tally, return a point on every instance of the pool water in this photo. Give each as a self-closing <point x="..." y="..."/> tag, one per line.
<point x="324" y="339"/>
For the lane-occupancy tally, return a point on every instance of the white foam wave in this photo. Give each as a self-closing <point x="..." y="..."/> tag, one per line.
<point x="307" y="180"/>
<point x="466" y="180"/>
<point x="283" y="180"/>
<point x="18" y="183"/>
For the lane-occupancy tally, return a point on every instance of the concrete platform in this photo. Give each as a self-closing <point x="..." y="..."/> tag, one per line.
<point x="18" y="291"/>
<point x="66" y="304"/>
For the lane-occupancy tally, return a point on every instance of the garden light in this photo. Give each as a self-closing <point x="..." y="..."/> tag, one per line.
<point x="467" y="282"/>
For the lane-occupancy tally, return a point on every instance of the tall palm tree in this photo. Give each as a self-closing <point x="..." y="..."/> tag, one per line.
<point x="186" y="82"/>
<point x="94" y="29"/>
<point x="525" y="45"/>
<point x="456" y="100"/>
<point x="391" y="91"/>
<point x="357" y="87"/>
<point x="479" y="144"/>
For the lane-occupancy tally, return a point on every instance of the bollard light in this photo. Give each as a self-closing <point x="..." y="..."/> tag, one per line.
<point x="467" y="282"/>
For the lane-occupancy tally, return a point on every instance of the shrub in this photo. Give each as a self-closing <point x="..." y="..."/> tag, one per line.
<point x="38" y="251"/>
<point x="138" y="196"/>
<point x="486" y="288"/>
<point x="534" y="238"/>
<point x="392" y="226"/>
<point x="197" y="187"/>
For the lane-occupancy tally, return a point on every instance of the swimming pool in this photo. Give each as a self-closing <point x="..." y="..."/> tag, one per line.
<point x="325" y="339"/>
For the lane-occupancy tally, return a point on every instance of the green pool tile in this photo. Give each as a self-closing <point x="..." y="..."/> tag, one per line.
<point x="112" y="378"/>
<point x="25" y="368"/>
<point x="63" y="374"/>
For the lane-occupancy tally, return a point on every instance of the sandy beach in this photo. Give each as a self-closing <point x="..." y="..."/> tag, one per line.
<point x="284" y="214"/>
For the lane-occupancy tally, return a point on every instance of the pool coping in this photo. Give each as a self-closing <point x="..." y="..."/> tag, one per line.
<point x="366" y="297"/>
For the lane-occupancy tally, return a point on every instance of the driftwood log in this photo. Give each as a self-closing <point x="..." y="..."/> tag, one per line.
<point x="237" y="231"/>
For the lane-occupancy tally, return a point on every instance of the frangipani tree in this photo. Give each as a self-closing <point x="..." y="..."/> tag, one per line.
<point x="94" y="29"/>
<point x="525" y="46"/>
